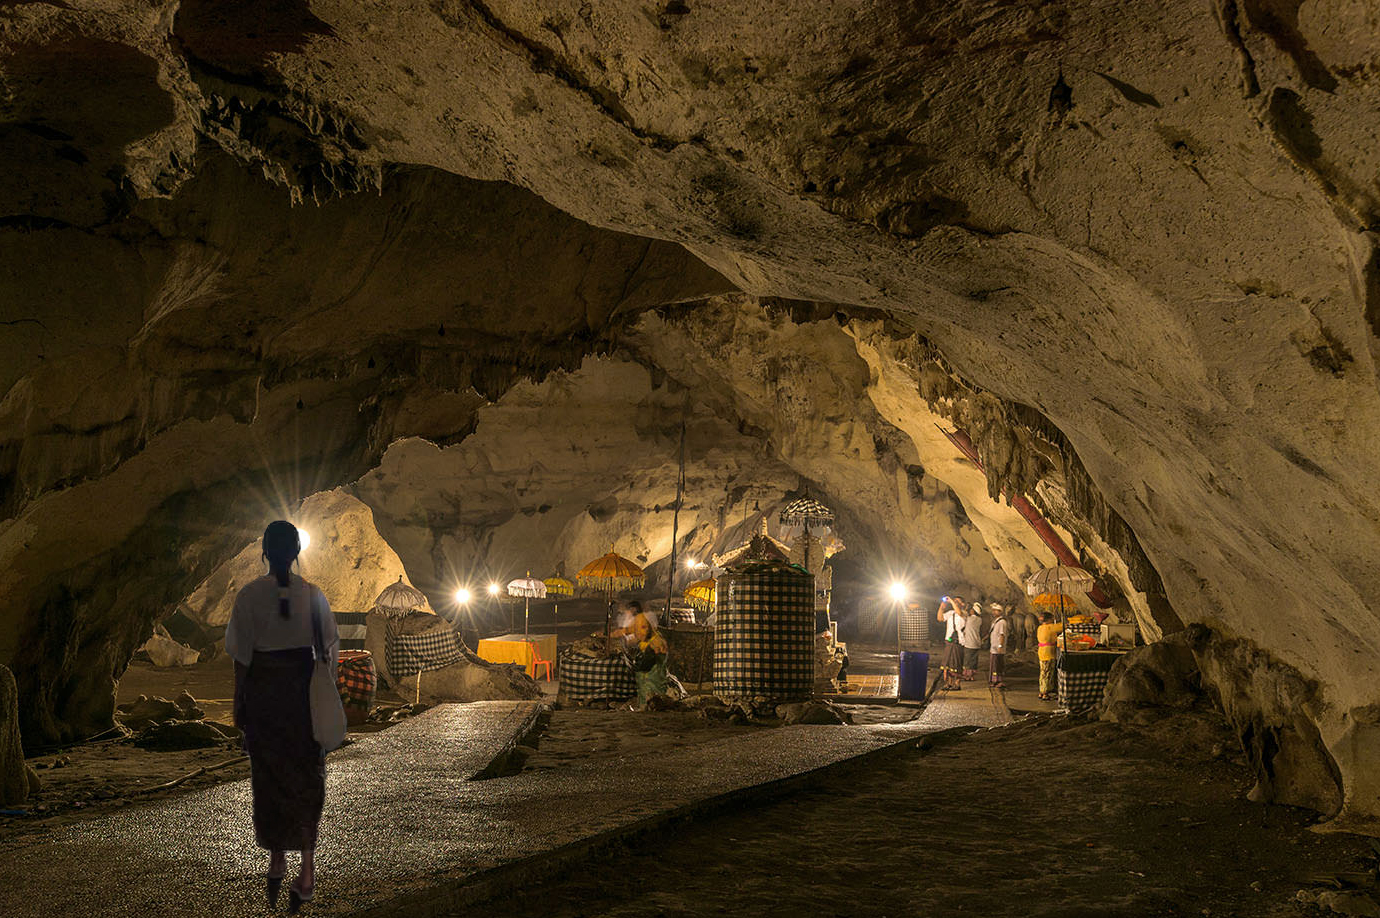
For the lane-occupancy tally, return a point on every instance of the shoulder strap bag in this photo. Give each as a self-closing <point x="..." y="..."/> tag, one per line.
<point x="327" y="713"/>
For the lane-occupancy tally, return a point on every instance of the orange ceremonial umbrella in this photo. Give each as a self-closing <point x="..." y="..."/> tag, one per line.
<point x="611" y="574"/>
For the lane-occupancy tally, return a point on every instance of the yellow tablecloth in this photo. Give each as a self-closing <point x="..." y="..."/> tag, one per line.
<point x="513" y="648"/>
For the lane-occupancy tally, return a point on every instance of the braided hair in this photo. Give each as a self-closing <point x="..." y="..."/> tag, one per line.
<point x="282" y="545"/>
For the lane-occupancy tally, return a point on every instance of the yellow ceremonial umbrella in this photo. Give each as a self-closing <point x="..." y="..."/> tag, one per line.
<point x="1054" y="601"/>
<point x="558" y="586"/>
<point x="702" y="594"/>
<point x="610" y="574"/>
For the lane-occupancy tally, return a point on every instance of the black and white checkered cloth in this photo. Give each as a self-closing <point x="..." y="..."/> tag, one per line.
<point x="410" y="654"/>
<point x="914" y="630"/>
<point x="1092" y="628"/>
<point x="595" y="679"/>
<point x="352" y="628"/>
<point x="1083" y="678"/>
<point x="764" y="640"/>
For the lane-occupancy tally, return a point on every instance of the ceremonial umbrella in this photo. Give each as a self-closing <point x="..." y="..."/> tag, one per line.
<point x="529" y="589"/>
<point x="610" y="574"/>
<point x="1053" y="601"/>
<point x="806" y="512"/>
<point x="399" y="600"/>
<point x="702" y="594"/>
<point x="558" y="586"/>
<point x="1056" y="580"/>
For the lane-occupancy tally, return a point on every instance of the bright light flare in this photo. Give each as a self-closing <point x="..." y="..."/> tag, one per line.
<point x="303" y="538"/>
<point x="462" y="596"/>
<point x="898" y="591"/>
<point x="493" y="589"/>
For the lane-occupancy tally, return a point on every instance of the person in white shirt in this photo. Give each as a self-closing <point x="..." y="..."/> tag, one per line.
<point x="997" y="647"/>
<point x="951" y="614"/>
<point x="971" y="639"/>
<point x="279" y="626"/>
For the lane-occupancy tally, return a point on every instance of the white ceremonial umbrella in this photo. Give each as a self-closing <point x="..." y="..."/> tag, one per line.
<point x="1059" y="579"/>
<point x="399" y="600"/>
<point x="528" y="588"/>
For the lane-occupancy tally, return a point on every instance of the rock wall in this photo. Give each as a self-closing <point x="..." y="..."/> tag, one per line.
<point x="1154" y="224"/>
<point x="346" y="558"/>
<point x="556" y="474"/>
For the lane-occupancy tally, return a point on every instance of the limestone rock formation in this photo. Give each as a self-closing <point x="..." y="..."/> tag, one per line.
<point x="1143" y="237"/>
<point x="469" y="679"/>
<point x="346" y="557"/>
<point x="14" y="778"/>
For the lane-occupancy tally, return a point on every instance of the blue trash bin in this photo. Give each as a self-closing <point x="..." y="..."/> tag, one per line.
<point x="915" y="668"/>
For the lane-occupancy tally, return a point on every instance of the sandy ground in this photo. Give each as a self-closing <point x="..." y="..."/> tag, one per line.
<point x="1052" y="816"/>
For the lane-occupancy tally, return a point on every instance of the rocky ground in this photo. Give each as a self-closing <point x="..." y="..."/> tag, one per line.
<point x="1052" y="815"/>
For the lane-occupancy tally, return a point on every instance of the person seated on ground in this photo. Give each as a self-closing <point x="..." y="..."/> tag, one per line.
<point x="627" y="615"/>
<point x="1044" y="638"/>
<point x="648" y="658"/>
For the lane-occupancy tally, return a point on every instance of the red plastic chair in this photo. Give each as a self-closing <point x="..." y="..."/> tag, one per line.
<point x="536" y="661"/>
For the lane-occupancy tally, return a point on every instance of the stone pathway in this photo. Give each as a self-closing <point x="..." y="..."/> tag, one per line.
<point x="406" y="832"/>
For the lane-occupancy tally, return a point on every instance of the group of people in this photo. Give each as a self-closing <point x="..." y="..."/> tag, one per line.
<point x="964" y="637"/>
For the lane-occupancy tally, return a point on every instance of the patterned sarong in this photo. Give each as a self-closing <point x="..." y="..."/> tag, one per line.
<point x="410" y="654"/>
<point x="356" y="679"/>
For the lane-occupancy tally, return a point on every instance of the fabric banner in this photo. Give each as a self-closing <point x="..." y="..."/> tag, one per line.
<point x="410" y="654"/>
<point x="596" y="679"/>
<point x="1083" y="678"/>
<point x="352" y="628"/>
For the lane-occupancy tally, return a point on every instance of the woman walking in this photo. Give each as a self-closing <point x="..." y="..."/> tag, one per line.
<point x="277" y="621"/>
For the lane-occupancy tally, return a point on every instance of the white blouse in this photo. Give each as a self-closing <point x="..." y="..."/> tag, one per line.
<point x="256" y="623"/>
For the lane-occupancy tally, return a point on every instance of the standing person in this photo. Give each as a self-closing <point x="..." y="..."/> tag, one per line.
<point x="271" y="635"/>
<point x="1044" y="638"/>
<point x="996" y="656"/>
<point x="951" y="614"/>
<point x="971" y="639"/>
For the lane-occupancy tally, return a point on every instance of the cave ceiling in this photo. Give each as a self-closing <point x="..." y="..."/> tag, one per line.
<point x="1147" y="229"/>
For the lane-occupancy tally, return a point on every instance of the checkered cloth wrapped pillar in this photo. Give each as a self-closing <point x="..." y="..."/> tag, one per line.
<point x="357" y="681"/>
<point x="764" y="643"/>
<point x="410" y="654"/>
<point x="1083" y="678"/>
<point x="596" y="679"/>
<point x="914" y="630"/>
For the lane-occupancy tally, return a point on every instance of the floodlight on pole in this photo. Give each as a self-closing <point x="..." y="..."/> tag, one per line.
<point x="462" y="596"/>
<point x="493" y="589"/>
<point x="898" y="591"/>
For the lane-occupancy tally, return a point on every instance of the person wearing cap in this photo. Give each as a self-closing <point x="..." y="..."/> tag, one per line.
<point x="971" y="639"/>
<point x="996" y="657"/>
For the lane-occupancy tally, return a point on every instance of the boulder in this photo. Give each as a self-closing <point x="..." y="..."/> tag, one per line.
<point x="187" y="707"/>
<point x="812" y="712"/>
<point x="143" y="711"/>
<point x="175" y="735"/>
<point x="1159" y="675"/>
<point x="165" y="652"/>
<point x="14" y="779"/>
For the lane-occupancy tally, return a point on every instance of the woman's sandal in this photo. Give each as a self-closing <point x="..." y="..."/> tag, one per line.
<point x="275" y="885"/>
<point x="296" y="897"/>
